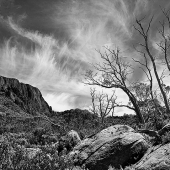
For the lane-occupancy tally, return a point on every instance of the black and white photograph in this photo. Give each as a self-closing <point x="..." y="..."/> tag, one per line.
<point x="84" y="84"/>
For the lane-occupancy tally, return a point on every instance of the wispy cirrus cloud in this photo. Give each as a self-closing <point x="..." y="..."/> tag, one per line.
<point x="45" y="66"/>
<point x="51" y="43"/>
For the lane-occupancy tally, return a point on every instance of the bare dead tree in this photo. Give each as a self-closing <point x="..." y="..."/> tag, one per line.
<point x="102" y="104"/>
<point x="114" y="73"/>
<point x="93" y="96"/>
<point x="145" y="35"/>
<point x="146" y="69"/>
<point x="164" y="44"/>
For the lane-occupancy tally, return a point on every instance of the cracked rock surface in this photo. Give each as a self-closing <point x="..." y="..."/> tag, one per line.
<point x="117" y="146"/>
<point x="156" y="158"/>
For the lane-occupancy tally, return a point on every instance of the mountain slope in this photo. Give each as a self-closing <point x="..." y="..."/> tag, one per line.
<point x="22" y="97"/>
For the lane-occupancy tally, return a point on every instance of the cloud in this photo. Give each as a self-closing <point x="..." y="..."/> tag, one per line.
<point x="52" y="44"/>
<point x="47" y="66"/>
<point x="93" y="24"/>
<point x="55" y="65"/>
<point x="61" y="102"/>
<point x="141" y="7"/>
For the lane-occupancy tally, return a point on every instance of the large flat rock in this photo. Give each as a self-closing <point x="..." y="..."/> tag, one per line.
<point x="156" y="158"/>
<point x="117" y="146"/>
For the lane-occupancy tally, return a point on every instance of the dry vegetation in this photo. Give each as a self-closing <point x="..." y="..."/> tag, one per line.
<point x="21" y="132"/>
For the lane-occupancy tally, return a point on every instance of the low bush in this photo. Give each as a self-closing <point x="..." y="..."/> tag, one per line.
<point x="15" y="156"/>
<point x="166" y="138"/>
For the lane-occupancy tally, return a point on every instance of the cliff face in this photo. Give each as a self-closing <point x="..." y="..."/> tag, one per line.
<point x="27" y="97"/>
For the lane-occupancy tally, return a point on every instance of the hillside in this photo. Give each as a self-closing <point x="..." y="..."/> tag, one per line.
<point x="22" y="108"/>
<point x="32" y="132"/>
<point x="29" y="99"/>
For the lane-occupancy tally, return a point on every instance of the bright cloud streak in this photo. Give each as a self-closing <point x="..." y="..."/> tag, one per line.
<point x="55" y="62"/>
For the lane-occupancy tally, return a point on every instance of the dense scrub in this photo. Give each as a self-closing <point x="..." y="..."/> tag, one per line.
<point x="34" y="144"/>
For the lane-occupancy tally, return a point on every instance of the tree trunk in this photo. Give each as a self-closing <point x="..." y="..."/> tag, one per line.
<point x="137" y="109"/>
<point x="135" y="105"/>
<point x="157" y="77"/>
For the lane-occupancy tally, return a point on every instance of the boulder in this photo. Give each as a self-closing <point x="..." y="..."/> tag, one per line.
<point x="117" y="146"/>
<point x="157" y="135"/>
<point x="156" y="158"/>
<point x="68" y="141"/>
<point x="164" y="130"/>
<point x="73" y="137"/>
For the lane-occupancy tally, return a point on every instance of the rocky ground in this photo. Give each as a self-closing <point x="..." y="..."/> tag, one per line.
<point x="116" y="147"/>
<point x="32" y="136"/>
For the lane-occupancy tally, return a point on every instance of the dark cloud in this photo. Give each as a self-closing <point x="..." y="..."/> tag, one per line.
<point x="38" y="17"/>
<point x="50" y="43"/>
<point x="6" y="33"/>
<point x="8" y="8"/>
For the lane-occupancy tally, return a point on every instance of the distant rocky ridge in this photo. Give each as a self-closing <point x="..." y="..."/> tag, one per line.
<point x="23" y="96"/>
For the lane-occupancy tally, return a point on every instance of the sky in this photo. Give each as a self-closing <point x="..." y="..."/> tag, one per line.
<point x="50" y="44"/>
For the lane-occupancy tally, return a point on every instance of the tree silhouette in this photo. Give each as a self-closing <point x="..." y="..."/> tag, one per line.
<point x="114" y="72"/>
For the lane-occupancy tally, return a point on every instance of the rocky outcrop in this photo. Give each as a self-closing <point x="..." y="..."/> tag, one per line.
<point x="156" y="134"/>
<point x="156" y="158"/>
<point x="117" y="146"/>
<point x="68" y="142"/>
<point x="73" y="137"/>
<point x="27" y="97"/>
<point x="164" y="130"/>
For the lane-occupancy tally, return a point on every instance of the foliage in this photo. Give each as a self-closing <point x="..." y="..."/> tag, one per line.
<point x="166" y="138"/>
<point x="13" y="146"/>
<point x="82" y="121"/>
<point x="14" y="156"/>
<point x="21" y="131"/>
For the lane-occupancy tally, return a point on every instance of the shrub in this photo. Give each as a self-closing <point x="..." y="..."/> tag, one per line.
<point x="166" y="138"/>
<point x="14" y="156"/>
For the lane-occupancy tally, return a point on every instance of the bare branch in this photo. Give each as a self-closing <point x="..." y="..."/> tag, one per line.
<point x="144" y="34"/>
<point x="102" y="104"/>
<point x="113" y="73"/>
